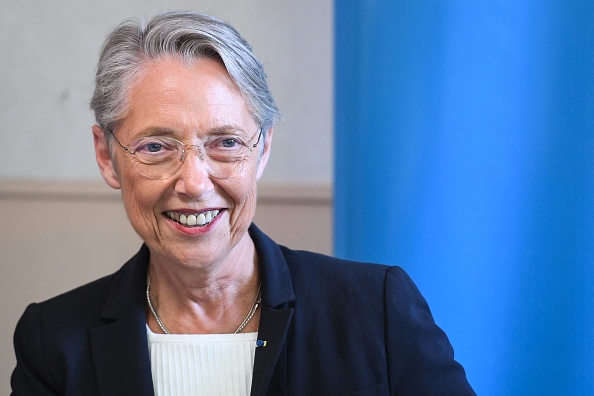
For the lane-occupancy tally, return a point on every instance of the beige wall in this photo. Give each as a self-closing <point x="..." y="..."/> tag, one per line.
<point x="57" y="236"/>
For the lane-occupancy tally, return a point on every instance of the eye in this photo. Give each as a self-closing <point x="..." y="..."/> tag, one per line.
<point x="230" y="143"/>
<point x="155" y="149"/>
<point x="153" y="145"/>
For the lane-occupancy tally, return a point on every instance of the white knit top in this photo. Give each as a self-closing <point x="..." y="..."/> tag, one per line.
<point x="202" y="364"/>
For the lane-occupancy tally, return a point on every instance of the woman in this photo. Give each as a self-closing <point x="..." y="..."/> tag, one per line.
<point x="210" y="305"/>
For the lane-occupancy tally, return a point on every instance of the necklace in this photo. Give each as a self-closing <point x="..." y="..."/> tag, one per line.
<point x="250" y="315"/>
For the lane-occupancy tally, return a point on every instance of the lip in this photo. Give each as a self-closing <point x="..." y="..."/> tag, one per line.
<point x="193" y="230"/>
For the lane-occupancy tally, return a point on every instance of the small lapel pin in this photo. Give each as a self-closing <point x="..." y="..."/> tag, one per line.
<point x="261" y="343"/>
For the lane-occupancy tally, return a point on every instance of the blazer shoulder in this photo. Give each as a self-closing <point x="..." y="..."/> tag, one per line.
<point x="94" y="291"/>
<point x="84" y="304"/>
<point x="317" y="262"/>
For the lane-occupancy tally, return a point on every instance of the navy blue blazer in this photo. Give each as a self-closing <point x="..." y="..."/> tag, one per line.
<point x="332" y="327"/>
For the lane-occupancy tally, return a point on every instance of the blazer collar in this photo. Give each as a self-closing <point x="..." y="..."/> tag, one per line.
<point x="277" y="287"/>
<point x="127" y="292"/>
<point x="119" y="347"/>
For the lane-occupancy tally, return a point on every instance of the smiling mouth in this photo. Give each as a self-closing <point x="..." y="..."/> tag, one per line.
<point x="193" y="219"/>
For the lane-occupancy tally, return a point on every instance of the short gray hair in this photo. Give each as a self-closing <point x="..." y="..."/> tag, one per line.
<point x="188" y="36"/>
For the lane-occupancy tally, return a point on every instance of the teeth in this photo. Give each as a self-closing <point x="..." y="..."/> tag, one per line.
<point x="193" y="220"/>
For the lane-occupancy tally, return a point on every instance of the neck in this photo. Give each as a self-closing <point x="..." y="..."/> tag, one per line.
<point x="240" y="328"/>
<point x="202" y="301"/>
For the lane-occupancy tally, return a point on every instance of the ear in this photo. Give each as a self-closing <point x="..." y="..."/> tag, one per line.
<point x="265" y="155"/>
<point x="104" y="160"/>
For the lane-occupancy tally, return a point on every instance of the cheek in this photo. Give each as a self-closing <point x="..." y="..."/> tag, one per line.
<point x="243" y="213"/>
<point x="243" y="192"/>
<point x="139" y="195"/>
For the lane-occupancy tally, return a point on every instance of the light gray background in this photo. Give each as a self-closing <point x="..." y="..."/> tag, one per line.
<point x="49" y="50"/>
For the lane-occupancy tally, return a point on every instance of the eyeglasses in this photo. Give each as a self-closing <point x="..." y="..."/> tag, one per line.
<point x="160" y="157"/>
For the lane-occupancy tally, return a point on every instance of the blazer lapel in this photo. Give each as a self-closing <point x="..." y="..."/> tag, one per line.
<point x="274" y="324"/>
<point x="119" y="347"/>
<point x="121" y="358"/>
<point x="278" y="297"/>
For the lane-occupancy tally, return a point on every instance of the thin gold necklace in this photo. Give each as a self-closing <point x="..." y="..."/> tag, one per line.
<point x="250" y="315"/>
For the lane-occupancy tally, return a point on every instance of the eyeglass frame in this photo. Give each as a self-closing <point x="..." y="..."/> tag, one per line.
<point x="200" y="147"/>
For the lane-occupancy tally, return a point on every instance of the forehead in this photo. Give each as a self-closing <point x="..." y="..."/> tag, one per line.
<point x="174" y="95"/>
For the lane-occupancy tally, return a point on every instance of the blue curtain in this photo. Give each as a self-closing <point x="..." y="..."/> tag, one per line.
<point x="464" y="152"/>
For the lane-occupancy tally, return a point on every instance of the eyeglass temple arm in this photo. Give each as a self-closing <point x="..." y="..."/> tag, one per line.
<point x="127" y="149"/>
<point x="258" y="141"/>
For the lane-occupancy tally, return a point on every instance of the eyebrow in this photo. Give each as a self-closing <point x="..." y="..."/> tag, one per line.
<point x="154" y="131"/>
<point x="220" y="130"/>
<point x="226" y="130"/>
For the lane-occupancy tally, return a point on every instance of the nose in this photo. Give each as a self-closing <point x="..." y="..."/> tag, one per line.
<point x="193" y="179"/>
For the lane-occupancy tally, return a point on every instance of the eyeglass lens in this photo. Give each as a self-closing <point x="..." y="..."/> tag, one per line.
<point x="161" y="157"/>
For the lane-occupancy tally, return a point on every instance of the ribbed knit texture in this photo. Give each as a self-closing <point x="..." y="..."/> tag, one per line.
<point x="202" y="364"/>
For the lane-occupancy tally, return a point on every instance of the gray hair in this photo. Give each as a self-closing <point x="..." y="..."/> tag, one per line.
<point x="188" y="36"/>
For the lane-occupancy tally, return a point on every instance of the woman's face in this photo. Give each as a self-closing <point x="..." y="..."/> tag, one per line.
<point x="188" y="103"/>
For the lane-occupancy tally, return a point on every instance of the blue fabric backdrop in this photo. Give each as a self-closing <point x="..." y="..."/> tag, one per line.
<point x="464" y="152"/>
